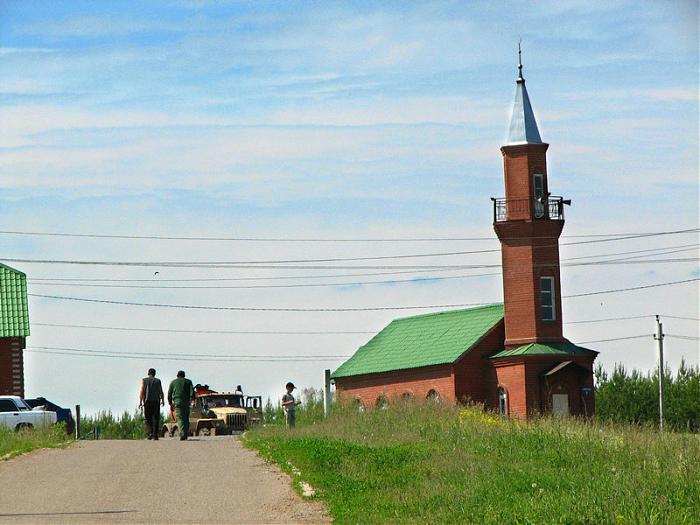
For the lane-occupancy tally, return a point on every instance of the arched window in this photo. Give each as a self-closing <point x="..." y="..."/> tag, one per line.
<point x="433" y="396"/>
<point x="406" y="396"/>
<point x="502" y="401"/>
<point x="382" y="402"/>
<point x="357" y="405"/>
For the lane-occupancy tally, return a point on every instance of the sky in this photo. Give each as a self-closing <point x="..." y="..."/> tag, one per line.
<point x="330" y="121"/>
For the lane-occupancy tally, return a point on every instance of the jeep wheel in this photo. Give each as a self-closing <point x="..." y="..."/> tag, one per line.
<point x="203" y="431"/>
<point x="175" y="432"/>
<point x="23" y="426"/>
<point x="164" y="431"/>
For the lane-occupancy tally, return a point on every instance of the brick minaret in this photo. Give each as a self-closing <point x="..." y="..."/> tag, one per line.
<point x="528" y="222"/>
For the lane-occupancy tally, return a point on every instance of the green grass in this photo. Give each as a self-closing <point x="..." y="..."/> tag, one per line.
<point x="426" y="464"/>
<point x="15" y="443"/>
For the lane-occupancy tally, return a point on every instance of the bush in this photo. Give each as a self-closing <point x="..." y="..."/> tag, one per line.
<point x="104" y="425"/>
<point x="310" y="410"/>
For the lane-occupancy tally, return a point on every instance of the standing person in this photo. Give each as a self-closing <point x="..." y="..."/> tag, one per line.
<point x="289" y="404"/>
<point x="180" y="397"/>
<point x="238" y="390"/>
<point x="150" y="396"/>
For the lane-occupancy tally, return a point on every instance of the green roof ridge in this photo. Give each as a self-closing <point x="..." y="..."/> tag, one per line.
<point x="470" y="309"/>
<point x="3" y="265"/>
<point x="561" y="348"/>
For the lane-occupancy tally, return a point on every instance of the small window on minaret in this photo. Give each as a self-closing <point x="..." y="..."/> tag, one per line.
<point x="538" y="193"/>
<point x="547" y="303"/>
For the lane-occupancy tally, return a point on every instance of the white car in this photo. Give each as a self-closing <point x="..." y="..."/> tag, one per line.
<point x="16" y="414"/>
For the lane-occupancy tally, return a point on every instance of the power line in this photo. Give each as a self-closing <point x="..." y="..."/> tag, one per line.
<point x="288" y="262"/>
<point x="615" y="339"/>
<point x="179" y="331"/>
<point x="680" y="317"/>
<point x="689" y="337"/>
<point x="170" y="354"/>
<point x="280" y="332"/>
<point x="256" y="309"/>
<point x="281" y="239"/>
<point x="356" y="309"/>
<point x="321" y="285"/>
<point x="585" y="321"/>
<point x="633" y="288"/>
<point x="78" y="282"/>
<point x="268" y="278"/>
<point x="284" y="266"/>
<point x="84" y="353"/>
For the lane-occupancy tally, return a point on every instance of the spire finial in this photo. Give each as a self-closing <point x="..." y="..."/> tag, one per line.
<point x="520" y="79"/>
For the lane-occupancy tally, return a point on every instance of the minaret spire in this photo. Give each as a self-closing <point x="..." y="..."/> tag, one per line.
<point x="523" y="126"/>
<point x="520" y="79"/>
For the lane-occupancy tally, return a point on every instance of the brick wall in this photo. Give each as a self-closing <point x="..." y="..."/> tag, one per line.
<point x="12" y="366"/>
<point x="417" y="382"/>
<point x="519" y="164"/>
<point x="529" y="393"/>
<point x="474" y="375"/>
<point x="511" y="376"/>
<point x="529" y="250"/>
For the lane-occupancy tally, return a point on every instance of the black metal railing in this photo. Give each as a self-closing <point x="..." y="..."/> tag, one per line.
<point x="550" y="208"/>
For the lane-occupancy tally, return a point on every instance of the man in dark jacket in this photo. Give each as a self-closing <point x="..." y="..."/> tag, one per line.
<point x="150" y="397"/>
<point x="180" y="397"/>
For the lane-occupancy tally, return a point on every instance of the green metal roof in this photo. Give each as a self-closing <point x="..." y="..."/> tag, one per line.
<point x="14" y="312"/>
<point x="422" y="340"/>
<point x="561" y="349"/>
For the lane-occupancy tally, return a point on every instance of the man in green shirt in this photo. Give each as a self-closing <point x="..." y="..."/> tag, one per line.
<point x="180" y="397"/>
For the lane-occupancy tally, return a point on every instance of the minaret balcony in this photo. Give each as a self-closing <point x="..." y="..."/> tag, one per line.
<point x="539" y="209"/>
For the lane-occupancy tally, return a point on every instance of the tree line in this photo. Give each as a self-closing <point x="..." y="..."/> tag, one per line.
<point x="633" y="397"/>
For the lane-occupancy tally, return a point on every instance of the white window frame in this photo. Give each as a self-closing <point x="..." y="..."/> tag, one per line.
<point x="502" y="401"/>
<point x="552" y="293"/>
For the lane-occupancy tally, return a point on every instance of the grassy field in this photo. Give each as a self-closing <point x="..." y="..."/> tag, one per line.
<point x="427" y="464"/>
<point x="15" y="443"/>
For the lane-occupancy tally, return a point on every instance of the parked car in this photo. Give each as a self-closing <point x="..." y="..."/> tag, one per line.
<point x="63" y="415"/>
<point x="16" y="414"/>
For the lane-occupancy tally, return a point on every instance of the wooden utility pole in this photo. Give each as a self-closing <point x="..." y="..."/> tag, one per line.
<point x="659" y="336"/>
<point x="77" y="421"/>
<point x="326" y="392"/>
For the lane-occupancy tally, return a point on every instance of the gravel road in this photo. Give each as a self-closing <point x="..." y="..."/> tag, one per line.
<point x="201" y="480"/>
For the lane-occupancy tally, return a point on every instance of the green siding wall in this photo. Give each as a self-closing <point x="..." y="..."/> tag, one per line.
<point x="14" y="310"/>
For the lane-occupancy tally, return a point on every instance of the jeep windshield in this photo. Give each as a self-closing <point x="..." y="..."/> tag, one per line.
<point x="223" y="401"/>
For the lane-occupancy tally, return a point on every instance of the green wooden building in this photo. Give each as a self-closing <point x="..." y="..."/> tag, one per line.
<point x="14" y="330"/>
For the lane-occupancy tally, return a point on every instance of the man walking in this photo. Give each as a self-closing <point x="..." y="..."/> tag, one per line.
<point x="180" y="397"/>
<point x="289" y="404"/>
<point x="150" y="396"/>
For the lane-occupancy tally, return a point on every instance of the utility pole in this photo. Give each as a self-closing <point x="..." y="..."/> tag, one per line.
<point x="326" y="392"/>
<point x="659" y="336"/>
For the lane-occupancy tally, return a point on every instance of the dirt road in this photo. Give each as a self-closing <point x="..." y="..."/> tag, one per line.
<point x="202" y="480"/>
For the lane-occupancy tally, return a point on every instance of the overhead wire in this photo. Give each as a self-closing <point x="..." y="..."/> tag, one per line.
<point x="287" y="263"/>
<point x="297" y="332"/>
<point x="282" y="239"/>
<point x="278" y="359"/>
<point x="351" y="309"/>
<point x="79" y="282"/>
<point x="322" y="285"/>
<point x="84" y="352"/>
<point x="182" y="331"/>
